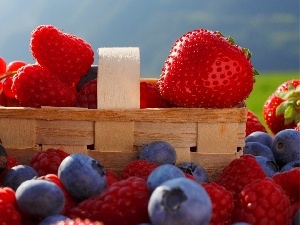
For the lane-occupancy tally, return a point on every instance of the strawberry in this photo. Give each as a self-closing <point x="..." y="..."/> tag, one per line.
<point x="240" y="172"/>
<point x="2" y="66"/>
<point x="205" y="69"/>
<point x="253" y="124"/>
<point x="150" y="96"/>
<point x="222" y="202"/>
<point x="123" y="202"/>
<point x="262" y="202"/>
<point x="87" y="96"/>
<point x="282" y="109"/>
<point x="47" y="162"/>
<point x="35" y="86"/>
<point x="65" y="55"/>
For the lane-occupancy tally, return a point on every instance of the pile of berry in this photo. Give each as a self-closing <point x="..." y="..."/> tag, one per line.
<point x="260" y="187"/>
<point x="204" y="69"/>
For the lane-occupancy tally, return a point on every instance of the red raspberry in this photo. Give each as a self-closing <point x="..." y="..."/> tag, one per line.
<point x="124" y="202"/>
<point x="35" y="86"/>
<point x="150" y="96"/>
<point x="47" y="162"/>
<point x="7" y="195"/>
<point x="222" y="202"/>
<point x="262" y="202"/>
<point x="139" y="168"/>
<point x="253" y="124"/>
<point x="9" y="214"/>
<point x="111" y="177"/>
<point x="78" y="221"/>
<point x="11" y="162"/>
<point x="240" y="172"/>
<point x="65" y="55"/>
<point x="87" y="96"/>
<point x="290" y="182"/>
<point x="69" y="202"/>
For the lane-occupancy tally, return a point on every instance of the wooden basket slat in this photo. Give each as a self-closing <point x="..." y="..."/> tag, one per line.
<point x="64" y="132"/>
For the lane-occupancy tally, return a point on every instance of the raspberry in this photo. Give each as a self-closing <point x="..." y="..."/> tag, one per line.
<point x="11" y="162"/>
<point x="65" y="55"/>
<point x="7" y="195"/>
<point x="69" y="202"/>
<point x="87" y="96"/>
<point x="47" y="162"/>
<point x="150" y="96"/>
<point x="124" y="202"/>
<point x="240" y="172"/>
<point x="111" y="177"/>
<point x="35" y="86"/>
<point x="140" y="168"/>
<point x="290" y="182"/>
<point x="78" y="221"/>
<point x="253" y="124"/>
<point x="222" y="202"/>
<point x="9" y="214"/>
<point x="262" y="202"/>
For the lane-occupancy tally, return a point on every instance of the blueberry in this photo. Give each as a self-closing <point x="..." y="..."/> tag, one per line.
<point x="296" y="219"/>
<point x="260" y="137"/>
<point x="39" y="198"/>
<point x="180" y="201"/>
<point x="195" y="170"/>
<point x="50" y="220"/>
<point x="258" y="149"/>
<point x="290" y="165"/>
<point x="286" y="146"/>
<point x="16" y="175"/>
<point x="269" y="166"/>
<point x="160" y="152"/>
<point x="82" y="176"/>
<point x="161" y="174"/>
<point x="91" y="74"/>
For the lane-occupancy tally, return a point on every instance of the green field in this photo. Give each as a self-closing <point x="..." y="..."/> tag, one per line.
<point x="266" y="83"/>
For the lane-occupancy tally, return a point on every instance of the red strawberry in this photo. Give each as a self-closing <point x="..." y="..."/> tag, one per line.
<point x="253" y="124"/>
<point x="282" y="109"/>
<point x="290" y="182"/>
<point x="78" y="221"/>
<point x="64" y="55"/>
<point x="262" y="202"/>
<point x="222" y="202"/>
<point x="124" y="202"/>
<point x="2" y="66"/>
<point x="87" y="96"/>
<point x="139" y="168"/>
<point x="205" y="69"/>
<point x="47" y="162"/>
<point x="35" y="86"/>
<point x="150" y="96"/>
<point x="240" y="172"/>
